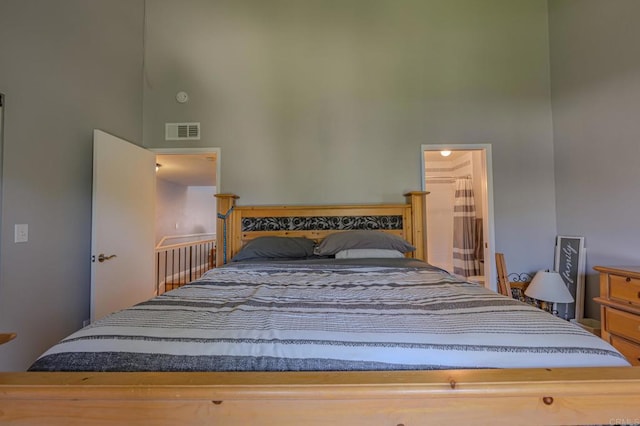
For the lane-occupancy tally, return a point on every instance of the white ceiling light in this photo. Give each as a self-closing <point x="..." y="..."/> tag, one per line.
<point x="445" y="152"/>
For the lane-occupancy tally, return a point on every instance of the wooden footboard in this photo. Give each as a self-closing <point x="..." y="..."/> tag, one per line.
<point x="514" y="396"/>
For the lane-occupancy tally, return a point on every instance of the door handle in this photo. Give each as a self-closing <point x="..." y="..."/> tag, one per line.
<point x="102" y="257"/>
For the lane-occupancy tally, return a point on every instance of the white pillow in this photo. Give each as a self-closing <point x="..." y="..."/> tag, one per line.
<point x="362" y="253"/>
<point x="361" y="239"/>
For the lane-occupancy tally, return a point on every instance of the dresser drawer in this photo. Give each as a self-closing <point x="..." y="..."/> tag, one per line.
<point x="623" y="324"/>
<point x="630" y="350"/>
<point x="626" y="289"/>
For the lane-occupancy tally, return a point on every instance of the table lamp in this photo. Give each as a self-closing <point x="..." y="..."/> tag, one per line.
<point x="548" y="286"/>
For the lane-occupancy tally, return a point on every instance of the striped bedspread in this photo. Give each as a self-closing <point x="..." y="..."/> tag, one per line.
<point x="280" y="316"/>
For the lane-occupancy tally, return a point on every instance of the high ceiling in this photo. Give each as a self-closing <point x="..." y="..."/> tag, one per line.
<point x="187" y="169"/>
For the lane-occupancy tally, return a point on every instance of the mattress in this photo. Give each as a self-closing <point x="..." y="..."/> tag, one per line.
<point x="328" y="315"/>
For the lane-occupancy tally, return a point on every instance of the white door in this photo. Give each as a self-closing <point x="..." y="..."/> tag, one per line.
<point x="123" y="225"/>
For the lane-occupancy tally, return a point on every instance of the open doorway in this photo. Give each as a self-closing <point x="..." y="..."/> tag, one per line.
<point x="186" y="184"/>
<point x="460" y="233"/>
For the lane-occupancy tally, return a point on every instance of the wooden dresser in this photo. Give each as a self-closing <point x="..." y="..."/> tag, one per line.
<point x="620" y="309"/>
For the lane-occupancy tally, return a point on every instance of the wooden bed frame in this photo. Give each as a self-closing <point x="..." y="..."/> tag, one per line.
<point x="509" y="396"/>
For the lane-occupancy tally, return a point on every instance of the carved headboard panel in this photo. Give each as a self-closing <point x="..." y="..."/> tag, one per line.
<point x="238" y="224"/>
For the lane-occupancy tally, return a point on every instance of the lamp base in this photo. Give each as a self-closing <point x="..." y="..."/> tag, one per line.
<point x="550" y="308"/>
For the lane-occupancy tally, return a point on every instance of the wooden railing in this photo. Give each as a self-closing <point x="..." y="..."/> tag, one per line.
<point x="179" y="264"/>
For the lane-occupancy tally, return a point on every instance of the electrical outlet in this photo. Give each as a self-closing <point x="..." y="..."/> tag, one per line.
<point x="21" y="233"/>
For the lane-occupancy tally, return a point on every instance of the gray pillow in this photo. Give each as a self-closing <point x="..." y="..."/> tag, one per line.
<point x="276" y="248"/>
<point x="333" y="243"/>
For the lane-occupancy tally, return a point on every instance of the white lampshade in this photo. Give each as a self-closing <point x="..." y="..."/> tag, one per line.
<point x="548" y="286"/>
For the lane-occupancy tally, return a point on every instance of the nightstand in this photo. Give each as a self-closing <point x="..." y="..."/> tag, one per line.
<point x="620" y="309"/>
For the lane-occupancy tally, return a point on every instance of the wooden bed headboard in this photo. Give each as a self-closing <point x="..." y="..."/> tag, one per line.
<point x="238" y="224"/>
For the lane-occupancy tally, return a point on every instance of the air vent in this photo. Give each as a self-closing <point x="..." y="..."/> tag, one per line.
<point x="182" y="131"/>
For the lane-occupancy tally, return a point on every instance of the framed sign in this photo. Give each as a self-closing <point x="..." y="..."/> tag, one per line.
<point x="570" y="264"/>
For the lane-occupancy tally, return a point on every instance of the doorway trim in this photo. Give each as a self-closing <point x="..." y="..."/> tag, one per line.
<point x="2" y="102"/>
<point x="488" y="222"/>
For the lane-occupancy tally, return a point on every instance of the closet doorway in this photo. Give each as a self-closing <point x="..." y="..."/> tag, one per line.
<point x="460" y="228"/>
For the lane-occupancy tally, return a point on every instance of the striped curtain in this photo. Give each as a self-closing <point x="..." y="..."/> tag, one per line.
<point x="464" y="229"/>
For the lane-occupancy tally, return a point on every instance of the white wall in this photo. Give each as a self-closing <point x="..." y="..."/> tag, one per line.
<point x="66" y="67"/>
<point x="184" y="210"/>
<point x="329" y="102"/>
<point x="200" y="209"/>
<point x="595" y="75"/>
<point x="169" y="207"/>
<point x="440" y="224"/>
<point x="479" y="176"/>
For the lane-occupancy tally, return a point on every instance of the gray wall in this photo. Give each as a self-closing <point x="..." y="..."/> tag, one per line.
<point x="321" y="101"/>
<point x="66" y="67"/>
<point x="595" y="82"/>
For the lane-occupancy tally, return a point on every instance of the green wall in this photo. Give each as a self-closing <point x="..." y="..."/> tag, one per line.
<point x="322" y="101"/>
<point x="314" y="101"/>
<point x="66" y="67"/>
<point x="595" y="81"/>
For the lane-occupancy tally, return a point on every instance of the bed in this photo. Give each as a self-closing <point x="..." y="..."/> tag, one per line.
<point x="374" y="337"/>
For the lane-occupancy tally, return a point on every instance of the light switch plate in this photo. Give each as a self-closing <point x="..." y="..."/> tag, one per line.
<point x="21" y="233"/>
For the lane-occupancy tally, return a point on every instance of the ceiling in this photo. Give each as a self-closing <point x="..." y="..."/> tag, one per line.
<point x="187" y="169"/>
<point x="435" y="155"/>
